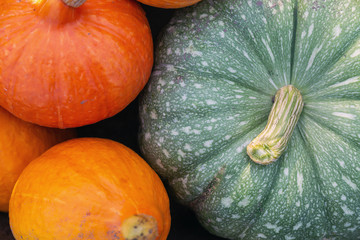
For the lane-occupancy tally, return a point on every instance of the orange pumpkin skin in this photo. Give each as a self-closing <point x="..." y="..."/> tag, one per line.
<point x="169" y="3"/>
<point x="87" y="188"/>
<point x="20" y="143"/>
<point x="67" y="67"/>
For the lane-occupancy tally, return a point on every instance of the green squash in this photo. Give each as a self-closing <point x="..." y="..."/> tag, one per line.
<point x="219" y="65"/>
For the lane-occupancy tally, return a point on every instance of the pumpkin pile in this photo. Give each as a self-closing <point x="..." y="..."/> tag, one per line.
<point x="248" y="110"/>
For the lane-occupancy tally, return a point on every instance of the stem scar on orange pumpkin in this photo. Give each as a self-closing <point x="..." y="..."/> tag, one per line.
<point x="89" y="187"/>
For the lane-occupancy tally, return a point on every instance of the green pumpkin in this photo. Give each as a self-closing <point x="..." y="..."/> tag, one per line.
<point x="219" y="65"/>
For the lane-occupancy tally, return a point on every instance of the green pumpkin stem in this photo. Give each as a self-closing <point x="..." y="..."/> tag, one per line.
<point x="268" y="146"/>
<point x="74" y="3"/>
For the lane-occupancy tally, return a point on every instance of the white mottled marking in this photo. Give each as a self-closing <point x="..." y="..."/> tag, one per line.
<point x="344" y="115"/>
<point x="269" y="50"/>
<point x="264" y="20"/>
<point x="147" y="136"/>
<point x="356" y="53"/>
<point x="260" y="235"/>
<point x="272" y="83"/>
<point x="303" y="34"/>
<point x="167" y="154"/>
<point x="230" y="69"/>
<point x="311" y="29"/>
<point x="297" y="226"/>
<point x="222" y="34"/>
<point x="312" y="57"/>
<point x="246" y="55"/>
<point x="337" y="31"/>
<point x="300" y="180"/>
<point x="181" y="153"/>
<point x="244" y="202"/>
<point x="273" y="226"/>
<point x="170" y="68"/>
<point x="226" y="202"/>
<point x="343" y="197"/>
<point x="346" y="82"/>
<point x="153" y="115"/>
<point x="209" y="128"/>
<point x="208" y="143"/>
<point x="289" y="237"/>
<point x="342" y="163"/>
<point x="350" y="183"/>
<point x="187" y="147"/>
<point x="286" y="171"/>
<point x="205" y="64"/>
<point x="159" y="163"/>
<point x="306" y="14"/>
<point x="210" y="102"/>
<point x="174" y="133"/>
<point x="197" y="85"/>
<point x="346" y="210"/>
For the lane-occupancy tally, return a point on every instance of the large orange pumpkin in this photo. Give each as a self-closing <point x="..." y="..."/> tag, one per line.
<point x="20" y="143"/>
<point x="169" y="3"/>
<point x="63" y="64"/>
<point x="89" y="188"/>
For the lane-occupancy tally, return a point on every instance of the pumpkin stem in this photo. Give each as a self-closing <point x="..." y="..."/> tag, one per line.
<point x="268" y="146"/>
<point x="74" y="3"/>
<point x="141" y="227"/>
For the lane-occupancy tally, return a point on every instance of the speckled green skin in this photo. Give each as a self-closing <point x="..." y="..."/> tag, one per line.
<point x="218" y="65"/>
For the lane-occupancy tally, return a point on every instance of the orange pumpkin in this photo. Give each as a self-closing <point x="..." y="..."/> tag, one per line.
<point x="169" y="3"/>
<point x="89" y="188"/>
<point x="20" y="143"/>
<point x="69" y="63"/>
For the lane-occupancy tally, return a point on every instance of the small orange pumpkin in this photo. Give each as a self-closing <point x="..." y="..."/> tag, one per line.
<point x="169" y="3"/>
<point x="89" y="188"/>
<point x="20" y="143"/>
<point x="69" y="63"/>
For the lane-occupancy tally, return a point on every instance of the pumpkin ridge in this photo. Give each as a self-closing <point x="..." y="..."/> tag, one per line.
<point x="256" y="51"/>
<point x="275" y="181"/>
<point x="310" y="86"/>
<point x="306" y="80"/>
<point x="333" y="130"/>
<point x="316" y="172"/>
<point x="293" y="42"/>
<point x="214" y="74"/>
<point x="318" y="88"/>
<point x="213" y="184"/>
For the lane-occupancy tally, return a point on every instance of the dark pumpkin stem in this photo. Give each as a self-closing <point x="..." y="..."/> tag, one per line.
<point x="74" y="3"/>
<point x="272" y="141"/>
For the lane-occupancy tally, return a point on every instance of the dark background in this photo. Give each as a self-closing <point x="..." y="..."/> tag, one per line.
<point x="124" y="128"/>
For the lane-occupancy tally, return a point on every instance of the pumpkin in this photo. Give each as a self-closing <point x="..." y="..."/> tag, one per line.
<point x="69" y="63"/>
<point x="169" y="3"/>
<point x="20" y="143"/>
<point x="252" y="115"/>
<point x="89" y="188"/>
